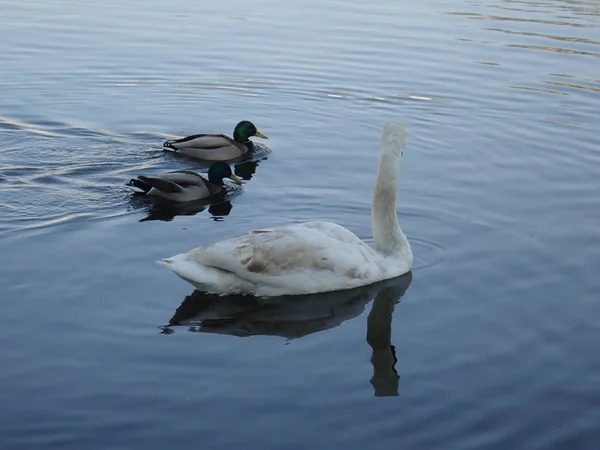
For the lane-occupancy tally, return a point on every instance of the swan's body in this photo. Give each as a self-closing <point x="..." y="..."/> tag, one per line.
<point x="184" y="185"/>
<point x="309" y="257"/>
<point x="217" y="147"/>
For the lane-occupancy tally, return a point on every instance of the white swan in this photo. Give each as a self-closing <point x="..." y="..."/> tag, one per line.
<point x="308" y="257"/>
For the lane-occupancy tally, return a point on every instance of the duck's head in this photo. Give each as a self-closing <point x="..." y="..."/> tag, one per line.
<point x="220" y="170"/>
<point x="245" y="130"/>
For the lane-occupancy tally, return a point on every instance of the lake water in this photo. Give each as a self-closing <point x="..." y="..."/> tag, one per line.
<point x="491" y="342"/>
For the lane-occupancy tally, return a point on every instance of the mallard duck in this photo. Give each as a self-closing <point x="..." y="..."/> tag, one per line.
<point x="185" y="185"/>
<point x="309" y="257"/>
<point x="217" y="147"/>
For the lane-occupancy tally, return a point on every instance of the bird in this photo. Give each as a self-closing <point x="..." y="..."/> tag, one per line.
<point x="310" y="257"/>
<point x="217" y="147"/>
<point x="184" y="185"/>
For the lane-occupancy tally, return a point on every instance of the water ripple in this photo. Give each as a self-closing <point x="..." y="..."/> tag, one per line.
<point x="494" y="341"/>
<point x="427" y="253"/>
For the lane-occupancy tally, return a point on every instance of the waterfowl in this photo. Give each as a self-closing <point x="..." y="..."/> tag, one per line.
<point x="217" y="147"/>
<point x="309" y="257"/>
<point x="185" y="185"/>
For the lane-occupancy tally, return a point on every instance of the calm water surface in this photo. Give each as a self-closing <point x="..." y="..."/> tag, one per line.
<point x="491" y="343"/>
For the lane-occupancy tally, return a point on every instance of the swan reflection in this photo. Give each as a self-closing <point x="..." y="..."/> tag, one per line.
<point x="299" y="316"/>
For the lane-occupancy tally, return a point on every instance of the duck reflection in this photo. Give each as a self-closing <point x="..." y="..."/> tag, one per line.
<point x="167" y="211"/>
<point x="218" y="206"/>
<point x="298" y="316"/>
<point x="246" y="169"/>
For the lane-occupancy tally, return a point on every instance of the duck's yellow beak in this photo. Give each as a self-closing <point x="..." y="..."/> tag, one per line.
<point x="234" y="178"/>
<point x="260" y="135"/>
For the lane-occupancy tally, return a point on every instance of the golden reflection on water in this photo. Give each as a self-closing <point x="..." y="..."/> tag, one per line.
<point x="574" y="86"/>
<point x="547" y="36"/>
<point x="554" y="49"/>
<point x="537" y="89"/>
<point x="527" y="24"/>
<point x="31" y="128"/>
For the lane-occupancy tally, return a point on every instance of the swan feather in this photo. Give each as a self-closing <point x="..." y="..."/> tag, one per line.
<point x="301" y="258"/>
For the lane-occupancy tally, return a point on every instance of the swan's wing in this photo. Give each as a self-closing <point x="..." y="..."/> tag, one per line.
<point x="206" y="141"/>
<point x="311" y="252"/>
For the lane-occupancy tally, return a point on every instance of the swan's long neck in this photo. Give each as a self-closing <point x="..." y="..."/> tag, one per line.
<point x="389" y="238"/>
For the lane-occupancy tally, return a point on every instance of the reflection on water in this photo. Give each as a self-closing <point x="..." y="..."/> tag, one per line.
<point x="246" y="169"/>
<point x="379" y="332"/>
<point x="500" y="100"/>
<point x="159" y="209"/>
<point x="299" y="316"/>
<point x="560" y="35"/>
<point x="554" y="49"/>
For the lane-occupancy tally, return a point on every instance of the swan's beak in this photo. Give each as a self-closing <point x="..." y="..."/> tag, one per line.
<point x="260" y="135"/>
<point x="234" y="178"/>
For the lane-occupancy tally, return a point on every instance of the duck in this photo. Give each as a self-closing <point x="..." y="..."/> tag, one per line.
<point x="309" y="257"/>
<point x="185" y="185"/>
<point x="217" y="147"/>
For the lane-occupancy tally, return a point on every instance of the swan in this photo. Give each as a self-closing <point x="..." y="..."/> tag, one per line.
<point x="310" y="257"/>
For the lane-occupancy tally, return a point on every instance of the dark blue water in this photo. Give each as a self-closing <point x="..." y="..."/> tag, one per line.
<point x="491" y="343"/>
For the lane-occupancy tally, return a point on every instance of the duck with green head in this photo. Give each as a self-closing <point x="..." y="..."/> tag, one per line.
<point x="217" y="147"/>
<point x="185" y="185"/>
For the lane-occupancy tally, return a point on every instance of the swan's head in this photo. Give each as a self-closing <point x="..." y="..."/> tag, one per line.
<point x="394" y="138"/>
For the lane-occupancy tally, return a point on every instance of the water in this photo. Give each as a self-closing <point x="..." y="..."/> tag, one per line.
<point x="494" y="342"/>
